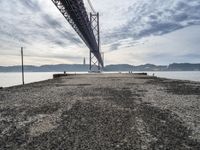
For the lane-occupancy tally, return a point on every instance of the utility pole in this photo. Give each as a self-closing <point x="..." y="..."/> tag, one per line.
<point x="103" y="57"/>
<point x="84" y="61"/>
<point x="22" y="58"/>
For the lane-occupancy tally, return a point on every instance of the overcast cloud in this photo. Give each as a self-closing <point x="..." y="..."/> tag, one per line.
<point x="132" y="31"/>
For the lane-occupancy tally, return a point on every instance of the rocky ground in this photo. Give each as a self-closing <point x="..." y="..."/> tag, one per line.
<point x="105" y="111"/>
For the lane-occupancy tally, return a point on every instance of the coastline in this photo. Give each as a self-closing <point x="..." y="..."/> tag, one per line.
<point x="12" y="79"/>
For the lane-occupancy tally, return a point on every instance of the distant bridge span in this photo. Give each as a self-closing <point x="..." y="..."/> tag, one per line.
<point x="75" y="13"/>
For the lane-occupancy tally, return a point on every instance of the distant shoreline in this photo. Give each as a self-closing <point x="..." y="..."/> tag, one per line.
<point x="108" y="68"/>
<point x="9" y="79"/>
<point x="104" y="71"/>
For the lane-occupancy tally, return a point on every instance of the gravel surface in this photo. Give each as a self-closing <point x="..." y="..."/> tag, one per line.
<point x="101" y="111"/>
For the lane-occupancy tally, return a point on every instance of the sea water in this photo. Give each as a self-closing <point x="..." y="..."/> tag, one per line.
<point x="12" y="79"/>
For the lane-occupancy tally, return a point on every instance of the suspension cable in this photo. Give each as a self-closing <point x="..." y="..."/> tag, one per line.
<point x="91" y="6"/>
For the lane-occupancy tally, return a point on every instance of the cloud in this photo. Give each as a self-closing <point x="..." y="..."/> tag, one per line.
<point x="115" y="46"/>
<point x="28" y="22"/>
<point x="31" y="5"/>
<point x="154" y="18"/>
<point x="127" y="29"/>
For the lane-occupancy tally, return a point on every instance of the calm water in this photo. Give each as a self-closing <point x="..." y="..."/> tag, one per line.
<point x="182" y="75"/>
<point x="11" y="79"/>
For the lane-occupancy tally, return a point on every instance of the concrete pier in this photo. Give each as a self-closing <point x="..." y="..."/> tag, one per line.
<point x="101" y="111"/>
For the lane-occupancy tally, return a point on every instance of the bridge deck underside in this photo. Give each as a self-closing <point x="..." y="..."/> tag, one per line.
<point x="74" y="11"/>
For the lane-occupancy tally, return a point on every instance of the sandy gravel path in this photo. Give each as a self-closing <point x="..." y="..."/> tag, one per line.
<point x="100" y="112"/>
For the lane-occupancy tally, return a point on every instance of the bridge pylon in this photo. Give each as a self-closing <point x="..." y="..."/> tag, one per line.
<point x="86" y="26"/>
<point x="95" y="65"/>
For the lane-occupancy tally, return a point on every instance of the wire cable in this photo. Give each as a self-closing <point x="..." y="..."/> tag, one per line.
<point x="91" y="6"/>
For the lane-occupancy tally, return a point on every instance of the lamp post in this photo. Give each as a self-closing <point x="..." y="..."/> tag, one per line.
<point x="22" y="58"/>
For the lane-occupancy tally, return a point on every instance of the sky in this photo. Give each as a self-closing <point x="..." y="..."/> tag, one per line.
<point x="132" y="32"/>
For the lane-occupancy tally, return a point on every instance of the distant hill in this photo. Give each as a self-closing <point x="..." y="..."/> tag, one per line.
<point x="150" y="67"/>
<point x="117" y="67"/>
<point x="125" y="67"/>
<point x="47" y="68"/>
<point x="184" y="67"/>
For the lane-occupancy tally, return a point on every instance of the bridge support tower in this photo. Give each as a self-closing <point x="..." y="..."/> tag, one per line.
<point x="95" y="66"/>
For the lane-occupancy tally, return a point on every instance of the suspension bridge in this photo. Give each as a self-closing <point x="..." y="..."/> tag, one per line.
<point x="86" y="26"/>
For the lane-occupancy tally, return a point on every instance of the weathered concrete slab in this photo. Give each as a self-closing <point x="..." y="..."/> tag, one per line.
<point x="105" y="111"/>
